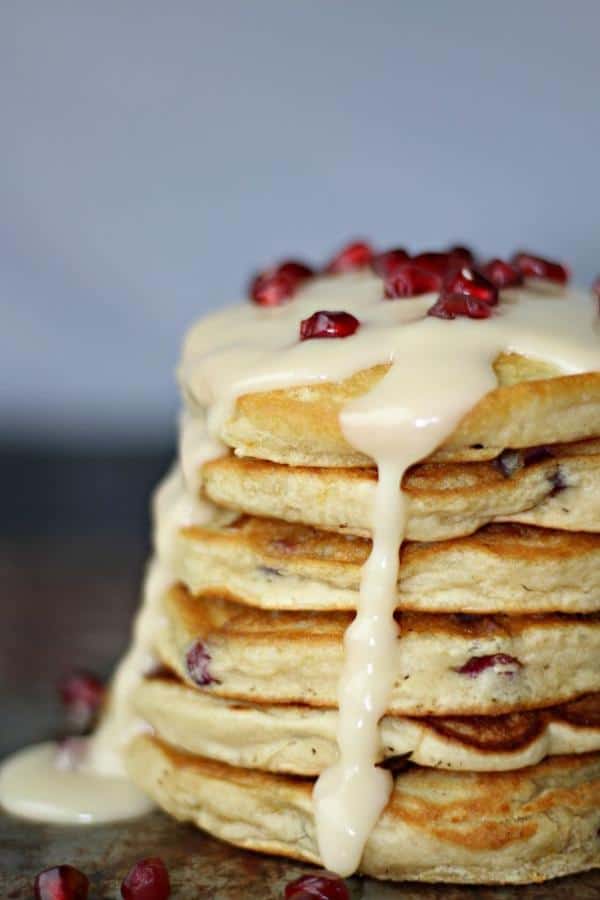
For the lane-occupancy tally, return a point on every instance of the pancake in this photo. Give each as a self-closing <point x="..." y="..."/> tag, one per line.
<point x="530" y="825"/>
<point x="301" y="740"/>
<point x="501" y="568"/>
<point x="534" y="404"/>
<point x="445" y="499"/>
<point x="444" y="664"/>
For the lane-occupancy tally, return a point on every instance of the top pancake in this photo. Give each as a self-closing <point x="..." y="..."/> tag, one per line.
<point x="533" y="404"/>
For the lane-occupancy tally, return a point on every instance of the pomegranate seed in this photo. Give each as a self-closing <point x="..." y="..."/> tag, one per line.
<point x="321" y="886"/>
<point x="325" y="324"/>
<point x="478" y="664"/>
<point x="61" y="883"/>
<point x="273" y="286"/>
<point x="411" y="280"/>
<point x="82" y="694"/>
<point x="386" y="264"/>
<point x="197" y="660"/>
<point x="501" y="273"/>
<point x="469" y="282"/>
<point x="353" y="256"/>
<point x="537" y="267"/>
<point x="437" y="263"/>
<point x="462" y="254"/>
<point x="294" y="269"/>
<point x="533" y="455"/>
<point x="449" y="306"/>
<point x="147" y="880"/>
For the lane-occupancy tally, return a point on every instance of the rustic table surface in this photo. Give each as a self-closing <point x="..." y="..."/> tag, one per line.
<point x="69" y="604"/>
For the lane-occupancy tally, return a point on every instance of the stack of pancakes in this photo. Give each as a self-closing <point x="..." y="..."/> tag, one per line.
<point x="493" y="725"/>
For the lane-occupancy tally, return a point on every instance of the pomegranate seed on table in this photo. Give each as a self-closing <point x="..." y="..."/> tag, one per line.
<point x="273" y="286"/>
<point x="353" y="256"/>
<point x="198" y="661"/>
<point x="386" y="264"/>
<point x="320" y="886"/>
<point x="325" y="324"/>
<point x="537" y="267"/>
<point x="449" y="306"/>
<point x="82" y="694"/>
<point x="410" y="280"/>
<point x="469" y="282"/>
<point x="147" y="880"/>
<point x="501" y="273"/>
<point x="61" y="883"/>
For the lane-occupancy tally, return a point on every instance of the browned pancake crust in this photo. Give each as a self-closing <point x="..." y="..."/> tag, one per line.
<point x="301" y="425"/>
<point x="542" y="569"/>
<point x="213" y="614"/>
<point x="438" y="826"/>
<point x="506" y="733"/>
<point x="278" y="543"/>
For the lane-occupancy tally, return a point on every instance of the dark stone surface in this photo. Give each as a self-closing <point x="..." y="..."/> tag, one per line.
<point x="68" y="602"/>
<point x="203" y="868"/>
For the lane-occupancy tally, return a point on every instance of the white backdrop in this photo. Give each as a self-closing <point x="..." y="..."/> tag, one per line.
<point x="153" y="153"/>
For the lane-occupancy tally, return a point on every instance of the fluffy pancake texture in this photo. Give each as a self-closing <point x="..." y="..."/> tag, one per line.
<point x="283" y="657"/>
<point x="470" y="680"/>
<point x="534" y="404"/>
<point x="300" y="740"/>
<point x="500" y="568"/>
<point x="528" y="825"/>
<point x="446" y="500"/>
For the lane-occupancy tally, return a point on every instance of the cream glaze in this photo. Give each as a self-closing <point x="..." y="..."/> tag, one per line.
<point x="440" y="370"/>
<point x="38" y="784"/>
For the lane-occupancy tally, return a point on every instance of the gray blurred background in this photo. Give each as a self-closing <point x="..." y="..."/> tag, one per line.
<point x="153" y="154"/>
